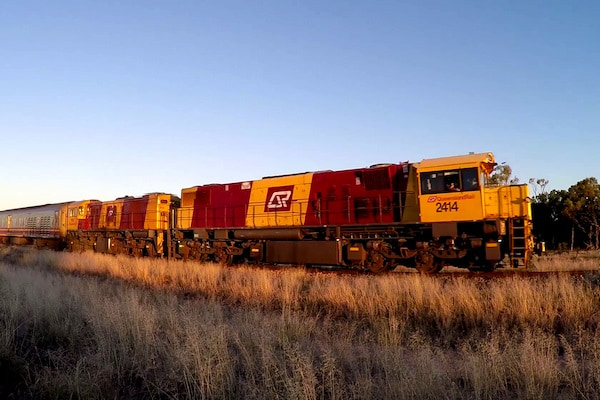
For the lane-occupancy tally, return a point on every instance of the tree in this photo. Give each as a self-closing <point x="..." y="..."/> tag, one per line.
<point x="502" y="175"/>
<point x="538" y="186"/>
<point x="550" y="224"/>
<point x="582" y="206"/>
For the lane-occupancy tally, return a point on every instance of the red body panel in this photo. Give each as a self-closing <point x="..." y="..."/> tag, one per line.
<point x="218" y="206"/>
<point x="85" y="224"/>
<point x="359" y="196"/>
<point x="95" y="210"/>
<point x="134" y="213"/>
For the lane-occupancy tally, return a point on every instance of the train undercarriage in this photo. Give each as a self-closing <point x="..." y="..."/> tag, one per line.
<point x="48" y="242"/>
<point x="137" y="243"/>
<point x="428" y="248"/>
<point x="374" y="248"/>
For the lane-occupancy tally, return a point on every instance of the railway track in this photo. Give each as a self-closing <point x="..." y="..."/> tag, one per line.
<point x="523" y="273"/>
<point x="447" y="272"/>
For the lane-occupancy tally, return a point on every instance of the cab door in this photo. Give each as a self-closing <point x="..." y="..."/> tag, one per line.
<point x="63" y="221"/>
<point x="72" y="220"/>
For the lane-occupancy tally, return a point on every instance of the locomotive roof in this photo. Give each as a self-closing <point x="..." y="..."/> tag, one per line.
<point x="80" y="202"/>
<point x="487" y="158"/>
<point x="472" y="158"/>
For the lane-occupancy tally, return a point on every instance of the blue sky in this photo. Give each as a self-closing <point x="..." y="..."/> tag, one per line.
<point x="101" y="99"/>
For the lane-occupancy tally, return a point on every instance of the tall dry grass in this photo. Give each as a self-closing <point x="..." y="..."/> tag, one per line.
<point x="443" y="307"/>
<point x="580" y="260"/>
<point x="205" y="331"/>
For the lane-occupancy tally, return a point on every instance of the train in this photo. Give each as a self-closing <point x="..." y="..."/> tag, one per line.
<point x="425" y="215"/>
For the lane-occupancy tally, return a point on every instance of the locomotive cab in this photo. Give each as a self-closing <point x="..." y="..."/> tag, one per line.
<point x="79" y="214"/>
<point x="463" y="209"/>
<point x="451" y="189"/>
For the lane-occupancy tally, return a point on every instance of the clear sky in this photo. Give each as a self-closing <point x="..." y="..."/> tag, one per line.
<point x="100" y="99"/>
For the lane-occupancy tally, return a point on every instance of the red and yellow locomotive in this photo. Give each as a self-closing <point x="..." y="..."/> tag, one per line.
<point x="139" y="226"/>
<point x="429" y="214"/>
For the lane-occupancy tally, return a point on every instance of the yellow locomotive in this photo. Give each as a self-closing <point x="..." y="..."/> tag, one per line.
<point x="454" y="193"/>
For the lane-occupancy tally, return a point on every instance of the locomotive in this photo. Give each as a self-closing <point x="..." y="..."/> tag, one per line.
<point x="425" y="215"/>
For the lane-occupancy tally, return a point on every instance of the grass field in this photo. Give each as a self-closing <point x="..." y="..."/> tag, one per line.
<point x="93" y="326"/>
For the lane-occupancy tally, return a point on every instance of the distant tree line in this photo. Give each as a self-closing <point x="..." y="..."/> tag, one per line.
<point x="564" y="219"/>
<point x="567" y="219"/>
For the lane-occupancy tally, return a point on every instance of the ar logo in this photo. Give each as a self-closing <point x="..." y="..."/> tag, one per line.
<point x="279" y="198"/>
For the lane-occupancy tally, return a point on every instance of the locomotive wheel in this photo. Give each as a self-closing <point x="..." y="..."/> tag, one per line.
<point x="136" y="251"/>
<point x="426" y="263"/>
<point x="222" y="256"/>
<point x="376" y="263"/>
<point x="203" y="257"/>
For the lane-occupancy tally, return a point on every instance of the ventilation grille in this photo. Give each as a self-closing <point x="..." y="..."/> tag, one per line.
<point x="377" y="179"/>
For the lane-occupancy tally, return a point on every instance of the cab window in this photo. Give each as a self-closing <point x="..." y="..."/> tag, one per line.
<point x="469" y="178"/>
<point x="450" y="181"/>
<point x="440" y="182"/>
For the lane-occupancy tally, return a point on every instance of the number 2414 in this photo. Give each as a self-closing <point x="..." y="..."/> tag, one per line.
<point x="446" y="206"/>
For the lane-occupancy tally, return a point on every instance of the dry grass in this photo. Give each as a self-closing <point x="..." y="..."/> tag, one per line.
<point x="577" y="260"/>
<point x="211" y="332"/>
